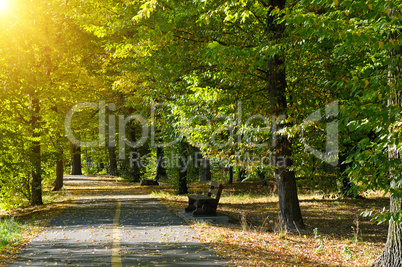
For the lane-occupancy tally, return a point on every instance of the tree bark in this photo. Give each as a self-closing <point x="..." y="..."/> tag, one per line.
<point x="76" y="168"/>
<point x="112" y="161"/>
<point x="392" y="254"/>
<point x="135" y="171"/>
<point x="261" y="175"/>
<point x="36" y="185"/>
<point x="160" y="166"/>
<point x="285" y="178"/>
<point x="241" y="175"/>
<point x="230" y="175"/>
<point x="183" y="189"/>
<point x="346" y="183"/>
<point x="206" y="174"/>
<point x="58" y="185"/>
<point x="287" y="190"/>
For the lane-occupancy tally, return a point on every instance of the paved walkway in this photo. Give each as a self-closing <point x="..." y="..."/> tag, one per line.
<point x="118" y="230"/>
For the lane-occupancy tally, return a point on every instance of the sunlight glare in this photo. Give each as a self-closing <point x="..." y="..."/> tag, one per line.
<point x="4" y="5"/>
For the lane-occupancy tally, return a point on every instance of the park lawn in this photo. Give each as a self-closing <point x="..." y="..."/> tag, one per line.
<point x="335" y="234"/>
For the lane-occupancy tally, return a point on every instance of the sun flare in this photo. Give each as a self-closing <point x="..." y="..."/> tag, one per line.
<point x="4" y="4"/>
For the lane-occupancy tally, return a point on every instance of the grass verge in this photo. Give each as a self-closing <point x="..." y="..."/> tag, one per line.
<point x="14" y="235"/>
<point x="10" y="230"/>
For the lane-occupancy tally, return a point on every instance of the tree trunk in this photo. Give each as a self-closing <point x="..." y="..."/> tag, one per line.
<point x="261" y="175"/>
<point x="160" y="164"/>
<point x="276" y="87"/>
<point x="101" y="166"/>
<point x="135" y="171"/>
<point x="112" y="161"/>
<point x="58" y="185"/>
<point x="392" y="254"/>
<point x="287" y="190"/>
<point x="241" y="175"/>
<point x="206" y="174"/>
<point x="76" y="168"/>
<point x="230" y="175"/>
<point x="183" y="189"/>
<point x="36" y="185"/>
<point x="346" y="183"/>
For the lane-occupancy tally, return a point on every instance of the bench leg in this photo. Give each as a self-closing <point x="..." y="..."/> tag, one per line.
<point x="191" y="205"/>
<point x="205" y="208"/>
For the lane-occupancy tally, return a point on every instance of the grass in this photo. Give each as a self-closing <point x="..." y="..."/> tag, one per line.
<point x="10" y="230"/>
<point x="14" y="235"/>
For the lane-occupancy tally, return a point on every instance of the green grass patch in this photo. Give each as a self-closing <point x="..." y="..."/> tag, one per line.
<point x="10" y="231"/>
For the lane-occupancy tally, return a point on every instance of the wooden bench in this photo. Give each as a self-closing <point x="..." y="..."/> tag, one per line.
<point x="205" y="205"/>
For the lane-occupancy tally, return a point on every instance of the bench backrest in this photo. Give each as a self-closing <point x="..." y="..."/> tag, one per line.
<point x="215" y="188"/>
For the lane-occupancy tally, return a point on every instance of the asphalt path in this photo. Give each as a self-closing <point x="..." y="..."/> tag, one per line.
<point x="117" y="230"/>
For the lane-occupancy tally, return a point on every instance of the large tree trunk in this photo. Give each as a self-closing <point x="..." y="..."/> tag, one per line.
<point x="76" y="168"/>
<point x="276" y="86"/>
<point x="58" y="185"/>
<point x="287" y="190"/>
<point x="392" y="254"/>
<point x="36" y="186"/>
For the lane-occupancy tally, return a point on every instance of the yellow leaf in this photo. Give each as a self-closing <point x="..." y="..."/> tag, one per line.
<point x="370" y="7"/>
<point x="367" y="82"/>
<point x="336" y="2"/>
<point x="381" y="44"/>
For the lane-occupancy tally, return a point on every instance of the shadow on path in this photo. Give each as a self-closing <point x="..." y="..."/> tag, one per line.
<point x="117" y="231"/>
